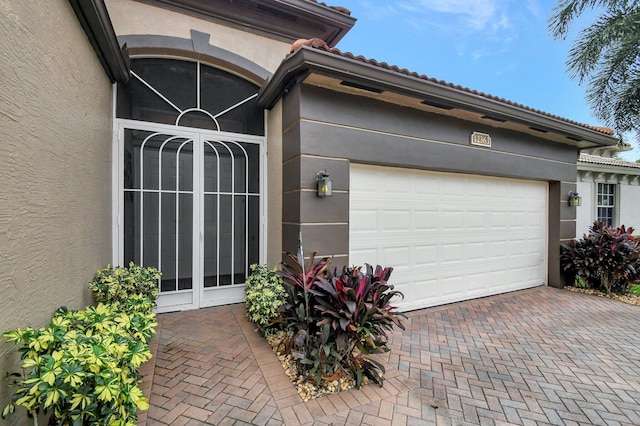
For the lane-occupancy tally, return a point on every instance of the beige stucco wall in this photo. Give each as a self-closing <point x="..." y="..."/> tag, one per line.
<point x="131" y="17"/>
<point x="274" y="186"/>
<point x="55" y="167"/>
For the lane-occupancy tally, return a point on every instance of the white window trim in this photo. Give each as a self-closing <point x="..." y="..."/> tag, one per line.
<point x="616" y="201"/>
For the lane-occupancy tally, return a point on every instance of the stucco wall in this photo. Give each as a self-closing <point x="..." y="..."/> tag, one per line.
<point x="131" y="17"/>
<point x="630" y="206"/>
<point x="323" y="129"/>
<point x="627" y="181"/>
<point x="274" y="186"/>
<point x="586" y="213"/>
<point x="55" y="175"/>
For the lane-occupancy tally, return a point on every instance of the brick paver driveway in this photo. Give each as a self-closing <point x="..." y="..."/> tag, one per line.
<point x="539" y="356"/>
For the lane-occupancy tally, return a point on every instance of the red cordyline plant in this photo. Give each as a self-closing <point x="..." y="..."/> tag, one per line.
<point x="605" y="257"/>
<point x="337" y="317"/>
<point x="304" y="276"/>
<point x="356" y="303"/>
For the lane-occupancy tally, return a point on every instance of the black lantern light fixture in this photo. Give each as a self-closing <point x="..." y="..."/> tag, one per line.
<point x="324" y="184"/>
<point x="575" y="199"/>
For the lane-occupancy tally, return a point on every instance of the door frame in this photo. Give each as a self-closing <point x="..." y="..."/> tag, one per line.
<point x="198" y="217"/>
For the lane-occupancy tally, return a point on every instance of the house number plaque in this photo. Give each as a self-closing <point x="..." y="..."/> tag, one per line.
<point x="481" y="139"/>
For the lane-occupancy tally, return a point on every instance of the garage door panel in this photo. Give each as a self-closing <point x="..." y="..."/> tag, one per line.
<point x="476" y="189"/>
<point x="452" y="253"/>
<point x="425" y="220"/>
<point x="476" y="220"/>
<point x="362" y="254"/>
<point x="449" y="236"/>
<point x="396" y="256"/>
<point x="396" y="220"/>
<point x="498" y="219"/>
<point x="425" y="255"/>
<point x="363" y="221"/>
<point x="535" y="219"/>
<point x="476" y="251"/>
<point x="452" y="220"/>
<point x="425" y="190"/>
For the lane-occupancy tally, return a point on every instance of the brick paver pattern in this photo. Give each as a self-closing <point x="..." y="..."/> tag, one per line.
<point x="533" y="357"/>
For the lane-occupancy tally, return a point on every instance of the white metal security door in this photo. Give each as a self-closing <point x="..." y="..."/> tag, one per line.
<point x="449" y="237"/>
<point x="190" y="205"/>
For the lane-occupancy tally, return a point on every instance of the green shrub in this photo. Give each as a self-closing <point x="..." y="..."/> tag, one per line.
<point x="264" y="296"/>
<point x="606" y="258"/>
<point x="579" y="283"/>
<point x="83" y="366"/>
<point x="336" y="318"/>
<point x="117" y="285"/>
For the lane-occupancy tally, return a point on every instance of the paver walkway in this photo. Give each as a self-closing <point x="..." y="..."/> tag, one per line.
<point x="533" y="357"/>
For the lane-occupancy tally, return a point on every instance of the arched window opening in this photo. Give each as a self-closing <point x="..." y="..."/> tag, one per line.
<point x="192" y="94"/>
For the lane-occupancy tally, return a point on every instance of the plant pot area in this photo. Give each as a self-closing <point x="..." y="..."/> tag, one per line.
<point x="604" y="262"/>
<point x="83" y="367"/>
<point x="324" y="323"/>
<point x="307" y="388"/>
<point x="628" y="298"/>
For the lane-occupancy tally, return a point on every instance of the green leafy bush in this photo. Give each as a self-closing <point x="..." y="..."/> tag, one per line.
<point x="336" y="317"/>
<point x="83" y="366"/>
<point x="264" y="296"/>
<point x="117" y="285"/>
<point x="606" y="258"/>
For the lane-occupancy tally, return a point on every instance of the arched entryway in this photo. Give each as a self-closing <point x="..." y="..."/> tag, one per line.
<point x="190" y="150"/>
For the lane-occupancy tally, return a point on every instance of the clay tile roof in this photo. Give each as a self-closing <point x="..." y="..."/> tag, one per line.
<point x="394" y="68"/>
<point x="596" y="159"/>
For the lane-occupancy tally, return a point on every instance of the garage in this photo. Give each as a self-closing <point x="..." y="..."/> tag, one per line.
<point x="463" y="193"/>
<point x="448" y="236"/>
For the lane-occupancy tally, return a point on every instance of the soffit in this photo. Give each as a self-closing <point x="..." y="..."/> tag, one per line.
<point x="415" y="103"/>
<point x="286" y="20"/>
<point x="347" y="73"/>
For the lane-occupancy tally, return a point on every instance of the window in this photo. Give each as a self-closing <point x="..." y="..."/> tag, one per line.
<point x="190" y="94"/>
<point x="606" y="202"/>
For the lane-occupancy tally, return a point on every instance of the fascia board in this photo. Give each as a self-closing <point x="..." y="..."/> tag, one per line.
<point x="336" y="23"/>
<point x="607" y="168"/>
<point x="94" y="19"/>
<point x="325" y="13"/>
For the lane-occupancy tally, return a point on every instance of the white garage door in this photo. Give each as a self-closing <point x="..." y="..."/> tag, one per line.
<point x="449" y="237"/>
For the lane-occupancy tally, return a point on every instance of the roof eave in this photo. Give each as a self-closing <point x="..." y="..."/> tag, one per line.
<point x="607" y="168"/>
<point x="341" y="22"/>
<point x="94" y="19"/>
<point x="309" y="60"/>
<point x="332" y="25"/>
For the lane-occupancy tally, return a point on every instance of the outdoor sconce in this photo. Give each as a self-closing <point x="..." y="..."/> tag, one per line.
<point x="575" y="199"/>
<point x="324" y="184"/>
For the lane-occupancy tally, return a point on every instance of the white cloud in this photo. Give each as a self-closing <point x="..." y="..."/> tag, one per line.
<point x="472" y="15"/>
<point x="534" y="7"/>
<point x="377" y="11"/>
<point x="476" y="29"/>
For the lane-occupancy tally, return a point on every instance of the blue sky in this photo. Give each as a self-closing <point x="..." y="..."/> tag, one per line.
<point x="501" y="47"/>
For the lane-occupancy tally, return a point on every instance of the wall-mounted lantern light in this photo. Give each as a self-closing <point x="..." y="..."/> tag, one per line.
<point x="324" y="184"/>
<point x="575" y="199"/>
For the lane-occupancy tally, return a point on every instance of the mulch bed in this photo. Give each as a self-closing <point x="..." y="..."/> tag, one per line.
<point x="306" y="387"/>
<point x="626" y="298"/>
